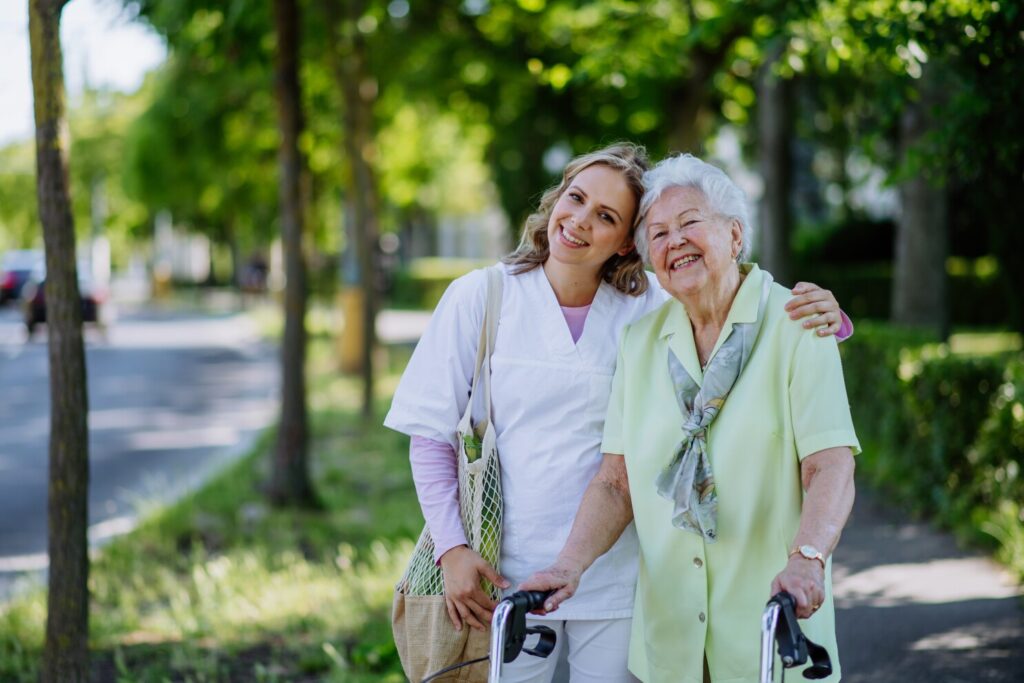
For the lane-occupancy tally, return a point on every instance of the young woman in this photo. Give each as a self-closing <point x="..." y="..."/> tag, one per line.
<point x="570" y="288"/>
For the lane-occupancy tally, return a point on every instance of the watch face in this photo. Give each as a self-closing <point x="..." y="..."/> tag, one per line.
<point x="809" y="551"/>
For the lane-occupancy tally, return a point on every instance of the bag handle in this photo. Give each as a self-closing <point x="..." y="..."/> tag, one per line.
<point x="488" y="334"/>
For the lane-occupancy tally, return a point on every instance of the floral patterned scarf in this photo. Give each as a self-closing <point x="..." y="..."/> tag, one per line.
<point x="688" y="479"/>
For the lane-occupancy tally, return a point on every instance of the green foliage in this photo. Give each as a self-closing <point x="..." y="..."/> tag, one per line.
<point x="475" y="93"/>
<point x="205" y="147"/>
<point x="422" y="283"/>
<point x="864" y="62"/>
<point x="943" y="428"/>
<point x="98" y="122"/>
<point x="975" y="290"/>
<point x="871" y="361"/>
<point x="19" y="211"/>
<point x="997" y="455"/>
<point x="945" y="401"/>
<point x="433" y="160"/>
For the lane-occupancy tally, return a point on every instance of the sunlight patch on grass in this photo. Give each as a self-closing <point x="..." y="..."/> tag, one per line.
<point x="244" y="596"/>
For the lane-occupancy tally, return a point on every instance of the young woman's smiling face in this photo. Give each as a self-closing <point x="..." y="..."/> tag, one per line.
<point x="592" y="219"/>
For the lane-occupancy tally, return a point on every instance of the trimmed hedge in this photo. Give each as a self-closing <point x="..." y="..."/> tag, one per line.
<point x="942" y="432"/>
<point x="975" y="292"/>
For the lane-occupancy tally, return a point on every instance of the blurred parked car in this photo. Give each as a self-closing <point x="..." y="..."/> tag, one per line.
<point x="16" y="268"/>
<point x="91" y="296"/>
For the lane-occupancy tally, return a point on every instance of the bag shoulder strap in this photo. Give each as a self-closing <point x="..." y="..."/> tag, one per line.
<point x="488" y="334"/>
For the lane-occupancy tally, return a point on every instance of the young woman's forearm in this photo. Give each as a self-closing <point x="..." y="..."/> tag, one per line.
<point x="435" y="474"/>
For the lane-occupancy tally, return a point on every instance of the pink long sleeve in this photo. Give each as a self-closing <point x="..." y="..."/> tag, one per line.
<point x="435" y="474"/>
<point x="845" y="328"/>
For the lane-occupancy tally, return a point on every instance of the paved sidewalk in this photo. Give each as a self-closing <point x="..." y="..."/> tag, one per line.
<point x="915" y="608"/>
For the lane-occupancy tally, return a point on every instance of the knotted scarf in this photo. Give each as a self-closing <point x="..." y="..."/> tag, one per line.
<point x="688" y="479"/>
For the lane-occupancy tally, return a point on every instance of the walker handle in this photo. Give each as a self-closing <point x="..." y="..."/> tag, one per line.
<point x="509" y="631"/>
<point x="533" y="599"/>
<point x="779" y="625"/>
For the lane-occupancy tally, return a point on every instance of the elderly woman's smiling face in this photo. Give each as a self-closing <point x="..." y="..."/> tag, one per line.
<point x="691" y="246"/>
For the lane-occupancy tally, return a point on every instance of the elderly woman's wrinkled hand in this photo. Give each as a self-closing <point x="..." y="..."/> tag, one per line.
<point x="563" y="577"/>
<point x="805" y="581"/>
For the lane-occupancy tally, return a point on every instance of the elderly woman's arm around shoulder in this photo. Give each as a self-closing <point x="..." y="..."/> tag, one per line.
<point x="605" y="511"/>
<point x="827" y="478"/>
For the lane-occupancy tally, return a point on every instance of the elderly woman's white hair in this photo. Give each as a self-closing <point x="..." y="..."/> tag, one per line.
<point x="686" y="170"/>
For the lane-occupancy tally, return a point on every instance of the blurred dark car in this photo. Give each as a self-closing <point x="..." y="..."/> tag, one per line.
<point x="92" y="299"/>
<point x="16" y="269"/>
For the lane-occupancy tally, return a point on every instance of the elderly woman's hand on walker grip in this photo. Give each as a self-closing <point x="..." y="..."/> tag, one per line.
<point x="563" y="577"/>
<point x="605" y="511"/>
<point x="804" y="579"/>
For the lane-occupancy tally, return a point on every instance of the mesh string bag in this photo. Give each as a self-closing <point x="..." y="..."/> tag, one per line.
<point x="424" y="636"/>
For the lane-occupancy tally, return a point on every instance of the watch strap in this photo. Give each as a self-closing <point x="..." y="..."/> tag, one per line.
<point x="816" y="555"/>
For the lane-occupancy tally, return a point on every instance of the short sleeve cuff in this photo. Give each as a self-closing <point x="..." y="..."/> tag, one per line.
<point x="612" y="444"/>
<point x="840" y="438"/>
<point x="845" y="327"/>
<point x="399" y="420"/>
<point x="443" y="545"/>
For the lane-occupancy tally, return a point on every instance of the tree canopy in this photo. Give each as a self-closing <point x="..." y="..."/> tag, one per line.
<point x="481" y="100"/>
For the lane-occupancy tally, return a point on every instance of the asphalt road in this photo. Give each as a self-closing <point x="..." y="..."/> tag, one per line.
<point x="173" y="396"/>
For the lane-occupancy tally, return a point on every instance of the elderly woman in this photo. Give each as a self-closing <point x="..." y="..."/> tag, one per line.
<point x="728" y="440"/>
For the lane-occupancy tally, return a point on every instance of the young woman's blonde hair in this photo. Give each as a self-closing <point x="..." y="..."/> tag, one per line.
<point x="625" y="273"/>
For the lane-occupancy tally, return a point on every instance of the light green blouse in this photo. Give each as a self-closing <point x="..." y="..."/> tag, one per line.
<point x="790" y="401"/>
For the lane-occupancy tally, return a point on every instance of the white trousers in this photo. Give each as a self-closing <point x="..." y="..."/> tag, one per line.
<point x="597" y="653"/>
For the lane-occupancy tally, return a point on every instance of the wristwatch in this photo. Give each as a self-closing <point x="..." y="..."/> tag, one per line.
<point x="809" y="552"/>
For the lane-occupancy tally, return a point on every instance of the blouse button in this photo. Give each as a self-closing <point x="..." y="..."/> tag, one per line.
<point x="697" y="562"/>
<point x="701" y="617"/>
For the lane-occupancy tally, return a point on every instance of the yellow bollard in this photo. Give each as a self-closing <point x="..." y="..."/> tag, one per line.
<point x="161" y="282"/>
<point x="349" y="340"/>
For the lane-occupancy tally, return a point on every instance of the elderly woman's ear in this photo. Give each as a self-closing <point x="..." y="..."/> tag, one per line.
<point x="737" y="238"/>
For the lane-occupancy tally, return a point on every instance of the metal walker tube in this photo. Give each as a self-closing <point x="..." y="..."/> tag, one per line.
<point x="501" y="615"/>
<point x="769" y="620"/>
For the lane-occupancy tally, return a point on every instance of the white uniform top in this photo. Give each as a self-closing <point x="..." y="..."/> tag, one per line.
<point x="549" y="398"/>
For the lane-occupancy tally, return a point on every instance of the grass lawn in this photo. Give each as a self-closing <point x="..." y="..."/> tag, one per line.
<point x="220" y="587"/>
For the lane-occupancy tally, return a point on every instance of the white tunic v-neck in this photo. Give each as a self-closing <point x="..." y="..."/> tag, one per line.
<point x="549" y="396"/>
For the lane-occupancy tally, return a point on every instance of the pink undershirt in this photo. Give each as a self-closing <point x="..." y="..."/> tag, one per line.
<point x="436" y="476"/>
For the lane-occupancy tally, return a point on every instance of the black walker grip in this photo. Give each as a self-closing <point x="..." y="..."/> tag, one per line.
<point x="516" y="630"/>
<point x="794" y="647"/>
<point x="535" y="599"/>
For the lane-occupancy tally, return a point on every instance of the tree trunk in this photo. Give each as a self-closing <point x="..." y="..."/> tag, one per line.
<point x="289" y="481"/>
<point x="690" y="118"/>
<point x="919" y="271"/>
<point x="359" y="90"/>
<point x="774" y="132"/>
<point x="688" y="102"/>
<point x="66" y="652"/>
